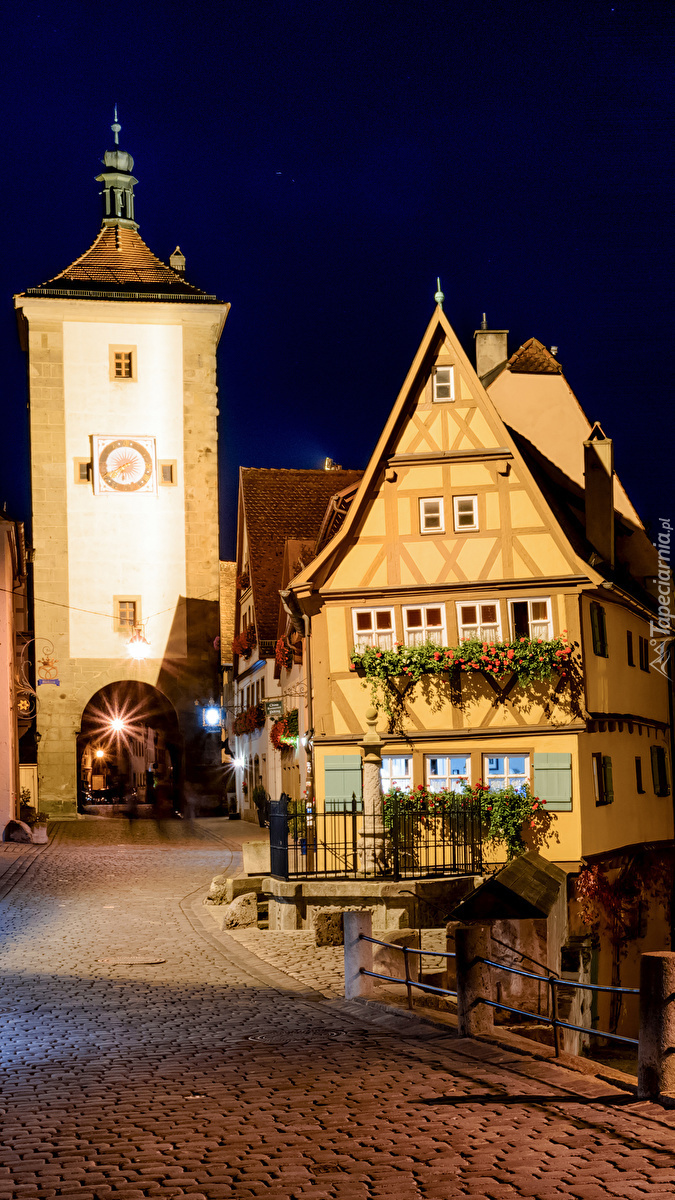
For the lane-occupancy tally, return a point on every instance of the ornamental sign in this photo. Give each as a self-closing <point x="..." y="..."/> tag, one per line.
<point x="274" y="708"/>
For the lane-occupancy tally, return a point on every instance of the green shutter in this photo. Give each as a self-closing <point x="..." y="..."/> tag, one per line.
<point x="342" y="776"/>
<point x="660" y="771"/>
<point x="607" y="781"/>
<point x="553" y="781"/>
<point x="599" y="630"/>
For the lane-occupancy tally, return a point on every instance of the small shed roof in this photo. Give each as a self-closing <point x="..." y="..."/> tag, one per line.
<point x="528" y="886"/>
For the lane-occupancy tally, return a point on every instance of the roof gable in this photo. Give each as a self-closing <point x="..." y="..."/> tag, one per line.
<point x="440" y="447"/>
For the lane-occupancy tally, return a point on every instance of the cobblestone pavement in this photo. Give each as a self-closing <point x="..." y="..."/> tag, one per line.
<point x="202" y="1071"/>
<point x="319" y="967"/>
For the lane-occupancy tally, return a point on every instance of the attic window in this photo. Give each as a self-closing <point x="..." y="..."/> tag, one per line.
<point x="432" y="518"/>
<point x="444" y="384"/>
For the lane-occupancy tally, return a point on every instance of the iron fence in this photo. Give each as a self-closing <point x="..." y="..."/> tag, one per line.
<point x="339" y="840"/>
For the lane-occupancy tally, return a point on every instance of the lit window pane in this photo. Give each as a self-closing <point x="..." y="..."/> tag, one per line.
<point x="488" y="614"/>
<point x="364" y="621"/>
<point x="434" y="618"/>
<point x="539" y="610"/>
<point x="469" y="614"/>
<point x="383" y="620"/>
<point x="414" y="618"/>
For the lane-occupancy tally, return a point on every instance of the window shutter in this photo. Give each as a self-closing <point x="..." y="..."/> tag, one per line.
<point x="599" y="630"/>
<point x="553" y="781"/>
<point x="608" y="783"/>
<point x="343" y="779"/>
<point x="660" y="771"/>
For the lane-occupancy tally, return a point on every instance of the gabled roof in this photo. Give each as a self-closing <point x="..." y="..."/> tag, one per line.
<point x="119" y="266"/>
<point x="282" y="506"/>
<point x="532" y="358"/>
<point x="438" y="331"/>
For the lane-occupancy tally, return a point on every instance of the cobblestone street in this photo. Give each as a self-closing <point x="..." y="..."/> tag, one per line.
<point x="202" y="1070"/>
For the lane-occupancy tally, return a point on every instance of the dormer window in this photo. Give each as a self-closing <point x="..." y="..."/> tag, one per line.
<point x="444" y="384"/>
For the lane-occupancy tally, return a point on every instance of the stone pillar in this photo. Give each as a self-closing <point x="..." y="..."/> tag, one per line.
<point x="358" y="954"/>
<point x="371" y="837"/>
<point x="474" y="980"/>
<point x="656" y="1050"/>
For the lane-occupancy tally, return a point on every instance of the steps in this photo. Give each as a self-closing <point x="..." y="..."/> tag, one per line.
<point x="263" y="914"/>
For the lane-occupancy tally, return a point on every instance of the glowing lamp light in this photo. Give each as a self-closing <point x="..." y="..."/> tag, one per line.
<point x="117" y="725"/>
<point x="138" y="645"/>
<point x="100" y="753"/>
<point x="212" y="716"/>
<point x="239" y="762"/>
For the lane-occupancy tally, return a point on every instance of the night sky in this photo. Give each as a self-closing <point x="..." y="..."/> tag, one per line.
<point x="321" y="163"/>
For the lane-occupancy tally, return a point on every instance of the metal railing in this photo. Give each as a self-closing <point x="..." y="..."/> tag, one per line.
<point x="552" y="981"/>
<point x="340" y="840"/>
<point x="409" y="983"/>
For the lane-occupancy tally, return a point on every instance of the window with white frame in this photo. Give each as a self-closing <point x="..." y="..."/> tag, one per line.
<point x="444" y="384"/>
<point x="479" y="620"/>
<point x="424" y="624"/>
<point x="373" y="627"/>
<point x="447" y="772"/>
<point x="396" y="772"/>
<point x="506" y="770"/>
<point x="466" y="512"/>
<point x="432" y="518"/>
<point x="531" y="619"/>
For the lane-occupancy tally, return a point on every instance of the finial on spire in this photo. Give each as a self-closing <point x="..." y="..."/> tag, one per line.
<point x="439" y="297"/>
<point x="483" y="323"/>
<point x="116" y="128"/>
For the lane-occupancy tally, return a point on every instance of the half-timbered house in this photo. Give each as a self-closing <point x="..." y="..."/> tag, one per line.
<point x="490" y="511"/>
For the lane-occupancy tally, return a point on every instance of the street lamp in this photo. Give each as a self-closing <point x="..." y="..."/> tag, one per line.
<point x="138" y="645"/>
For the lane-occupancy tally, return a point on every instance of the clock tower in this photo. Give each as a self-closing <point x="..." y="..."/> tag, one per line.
<point x="124" y="472"/>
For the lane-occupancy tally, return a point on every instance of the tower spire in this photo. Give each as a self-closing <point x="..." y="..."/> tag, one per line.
<point x="116" y="127"/>
<point x="118" y="184"/>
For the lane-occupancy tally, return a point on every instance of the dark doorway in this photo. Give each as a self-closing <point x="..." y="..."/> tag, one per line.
<point x="129" y="752"/>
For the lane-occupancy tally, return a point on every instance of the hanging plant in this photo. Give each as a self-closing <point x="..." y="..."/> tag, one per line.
<point x="505" y="813"/>
<point x="243" y="581"/>
<point x="283" y="654"/>
<point x="284" y="732"/>
<point x="249" y="720"/>
<point x="393" y="674"/>
<point x="243" y="643"/>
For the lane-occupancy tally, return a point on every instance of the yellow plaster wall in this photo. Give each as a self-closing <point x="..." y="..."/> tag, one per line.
<point x="631" y="818"/>
<point x="611" y="685"/>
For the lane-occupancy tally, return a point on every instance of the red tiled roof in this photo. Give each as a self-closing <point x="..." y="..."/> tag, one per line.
<point x="282" y="505"/>
<point x="532" y="358"/>
<point x="119" y="260"/>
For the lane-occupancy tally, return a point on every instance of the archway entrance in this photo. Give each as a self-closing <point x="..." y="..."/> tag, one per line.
<point x="129" y="752"/>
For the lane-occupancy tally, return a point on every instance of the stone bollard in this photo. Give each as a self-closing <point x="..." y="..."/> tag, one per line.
<point x="358" y="954"/>
<point x="656" y="1049"/>
<point x="474" y="980"/>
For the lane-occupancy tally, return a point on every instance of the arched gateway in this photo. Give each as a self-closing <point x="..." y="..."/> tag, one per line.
<point x="129" y="751"/>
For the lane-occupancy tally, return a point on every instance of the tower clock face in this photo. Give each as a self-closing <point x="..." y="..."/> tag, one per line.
<point x="124" y="464"/>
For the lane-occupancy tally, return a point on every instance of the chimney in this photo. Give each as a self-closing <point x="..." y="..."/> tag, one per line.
<point x="491" y="349"/>
<point x="177" y="261"/>
<point x="599" y="493"/>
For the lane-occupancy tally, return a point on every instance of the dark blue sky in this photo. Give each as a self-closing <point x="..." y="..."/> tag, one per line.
<point x="321" y="164"/>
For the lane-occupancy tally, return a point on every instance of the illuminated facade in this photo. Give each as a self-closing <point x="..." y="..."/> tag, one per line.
<point x="122" y="378"/>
